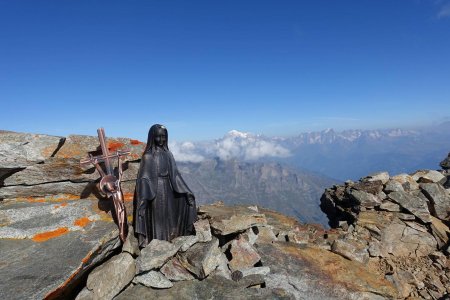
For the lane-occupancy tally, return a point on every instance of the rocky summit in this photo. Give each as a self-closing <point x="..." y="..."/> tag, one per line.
<point x="398" y="226"/>
<point x="389" y="237"/>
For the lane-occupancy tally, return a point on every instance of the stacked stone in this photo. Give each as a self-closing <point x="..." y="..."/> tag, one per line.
<point x="223" y="247"/>
<point x="401" y="222"/>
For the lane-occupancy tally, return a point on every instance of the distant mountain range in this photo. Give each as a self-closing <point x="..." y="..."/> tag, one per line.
<point x="348" y="154"/>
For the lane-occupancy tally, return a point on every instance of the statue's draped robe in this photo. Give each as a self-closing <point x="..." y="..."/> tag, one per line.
<point x="162" y="210"/>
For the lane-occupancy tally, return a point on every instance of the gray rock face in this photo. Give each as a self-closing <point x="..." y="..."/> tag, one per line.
<point x="365" y="199"/>
<point x="56" y="236"/>
<point x="174" y="271"/>
<point x="413" y="204"/>
<point x="155" y="254"/>
<point x="19" y="150"/>
<point x="439" y="199"/>
<point x="109" y="279"/>
<point x="202" y="258"/>
<point x="153" y="279"/>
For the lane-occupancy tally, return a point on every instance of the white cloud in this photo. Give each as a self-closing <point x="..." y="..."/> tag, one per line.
<point x="185" y="151"/>
<point x="235" y="144"/>
<point x="247" y="146"/>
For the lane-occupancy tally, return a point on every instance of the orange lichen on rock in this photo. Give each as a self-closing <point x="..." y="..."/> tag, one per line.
<point x="113" y="146"/>
<point x="82" y="222"/>
<point x="35" y="200"/>
<point x="135" y="142"/>
<point x="128" y="196"/>
<point x="44" y="236"/>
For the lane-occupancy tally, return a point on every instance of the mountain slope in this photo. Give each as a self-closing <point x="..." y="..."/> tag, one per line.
<point x="270" y="184"/>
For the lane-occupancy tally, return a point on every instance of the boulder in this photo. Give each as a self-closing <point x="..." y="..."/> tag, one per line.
<point x="225" y="220"/>
<point x="351" y="249"/>
<point x="203" y="230"/>
<point x="184" y="242"/>
<point x="407" y="182"/>
<point x="107" y="280"/>
<point x="62" y="237"/>
<point x="414" y="204"/>
<point x="243" y="255"/>
<point x="364" y="199"/>
<point x="155" y="254"/>
<point x="380" y="176"/>
<point x="439" y="200"/>
<point x="393" y="186"/>
<point x="153" y="279"/>
<point x="174" y="271"/>
<point x="202" y="258"/>
<point x="428" y="176"/>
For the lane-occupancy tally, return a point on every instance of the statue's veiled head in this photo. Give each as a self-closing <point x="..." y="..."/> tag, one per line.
<point x="157" y="138"/>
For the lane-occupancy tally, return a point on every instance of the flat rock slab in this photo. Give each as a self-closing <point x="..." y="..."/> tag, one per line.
<point x="439" y="198"/>
<point x="231" y="219"/>
<point x="311" y="273"/>
<point x="214" y="287"/>
<point x="19" y="150"/>
<point x="153" y="279"/>
<point x="46" y="246"/>
<point x="155" y="254"/>
<point x="107" y="280"/>
<point x="414" y="204"/>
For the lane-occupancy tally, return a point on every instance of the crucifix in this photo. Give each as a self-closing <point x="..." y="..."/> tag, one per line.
<point x="110" y="183"/>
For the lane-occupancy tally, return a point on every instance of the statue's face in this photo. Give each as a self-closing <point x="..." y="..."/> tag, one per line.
<point x="160" y="137"/>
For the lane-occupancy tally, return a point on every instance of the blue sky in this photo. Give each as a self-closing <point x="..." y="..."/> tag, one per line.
<point x="203" y="68"/>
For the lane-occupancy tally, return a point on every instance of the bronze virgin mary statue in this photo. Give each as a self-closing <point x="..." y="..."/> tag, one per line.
<point x="165" y="206"/>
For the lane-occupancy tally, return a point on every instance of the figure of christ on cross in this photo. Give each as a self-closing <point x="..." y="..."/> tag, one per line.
<point x="109" y="183"/>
